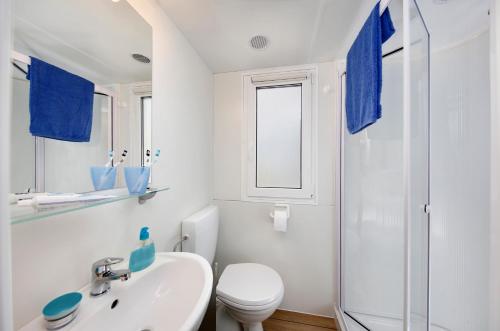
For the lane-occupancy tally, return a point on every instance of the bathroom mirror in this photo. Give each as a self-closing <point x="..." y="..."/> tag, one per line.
<point x="106" y="42"/>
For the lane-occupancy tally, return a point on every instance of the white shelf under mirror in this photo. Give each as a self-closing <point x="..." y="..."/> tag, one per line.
<point x="24" y="214"/>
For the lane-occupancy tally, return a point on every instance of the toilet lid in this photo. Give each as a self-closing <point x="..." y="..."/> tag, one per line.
<point x="250" y="284"/>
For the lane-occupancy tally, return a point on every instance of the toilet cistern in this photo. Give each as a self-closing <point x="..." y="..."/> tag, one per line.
<point x="102" y="275"/>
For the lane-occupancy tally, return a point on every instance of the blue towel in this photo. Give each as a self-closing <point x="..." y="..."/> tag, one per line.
<point x="60" y="103"/>
<point x="364" y="71"/>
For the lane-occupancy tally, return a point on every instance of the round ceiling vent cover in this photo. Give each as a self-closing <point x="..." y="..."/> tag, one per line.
<point x="259" y="42"/>
<point x="141" y="58"/>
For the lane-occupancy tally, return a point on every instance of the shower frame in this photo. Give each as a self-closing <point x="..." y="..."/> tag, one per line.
<point x="341" y="315"/>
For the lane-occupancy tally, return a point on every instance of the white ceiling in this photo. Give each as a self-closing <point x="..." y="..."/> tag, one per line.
<point x="299" y="31"/>
<point x="304" y="31"/>
<point x="94" y="38"/>
<point x="91" y="38"/>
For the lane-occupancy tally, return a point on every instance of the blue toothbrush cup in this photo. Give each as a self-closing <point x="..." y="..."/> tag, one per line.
<point x="103" y="178"/>
<point x="137" y="179"/>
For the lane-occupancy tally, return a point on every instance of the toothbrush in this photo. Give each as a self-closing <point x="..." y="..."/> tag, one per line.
<point x="110" y="160"/>
<point x="150" y="162"/>
<point x="124" y="155"/>
<point x="157" y="156"/>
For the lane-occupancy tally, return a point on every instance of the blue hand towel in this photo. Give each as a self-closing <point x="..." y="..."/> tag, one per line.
<point x="364" y="71"/>
<point x="60" y="103"/>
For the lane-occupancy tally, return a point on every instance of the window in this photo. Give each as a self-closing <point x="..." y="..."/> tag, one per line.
<point x="279" y="159"/>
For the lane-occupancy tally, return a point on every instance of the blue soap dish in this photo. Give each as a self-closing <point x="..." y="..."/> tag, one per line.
<point x="62" y="306"/>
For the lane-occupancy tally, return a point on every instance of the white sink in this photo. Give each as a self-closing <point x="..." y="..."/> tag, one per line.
<point x="170" y="295"/>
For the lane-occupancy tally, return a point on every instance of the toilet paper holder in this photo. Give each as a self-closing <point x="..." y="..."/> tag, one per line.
<point x="281" y="206"/>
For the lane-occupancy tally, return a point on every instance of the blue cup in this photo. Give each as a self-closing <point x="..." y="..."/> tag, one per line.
<point x="137" y="179"/>
<point x="103" y="178"/>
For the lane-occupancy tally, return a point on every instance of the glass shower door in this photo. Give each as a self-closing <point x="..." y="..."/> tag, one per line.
<point x="384" y="223"/>
<point x="419" y="148"/>
<point x="372" y="214"/>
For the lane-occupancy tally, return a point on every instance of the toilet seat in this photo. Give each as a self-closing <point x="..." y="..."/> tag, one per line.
<point x="250" y="286"/>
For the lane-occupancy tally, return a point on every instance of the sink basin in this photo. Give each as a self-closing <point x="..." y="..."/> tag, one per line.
<point x="171" y="294"/>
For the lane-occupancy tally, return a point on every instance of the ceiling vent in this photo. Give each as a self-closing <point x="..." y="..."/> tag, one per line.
<point x="259" y="42"/>
<point x="141" y="58"/>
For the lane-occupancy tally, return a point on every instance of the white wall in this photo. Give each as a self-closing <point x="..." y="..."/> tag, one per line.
<point x="304" y="255"/>
<point x="494" y="284"/>
<point x="53" y="256"/>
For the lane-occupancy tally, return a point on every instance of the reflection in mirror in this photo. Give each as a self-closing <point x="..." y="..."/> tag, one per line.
<point x="22" y="160"/>
<point x="146" y="128"/>
<point x="81" y="156"/>
<point x="99" y="48"/>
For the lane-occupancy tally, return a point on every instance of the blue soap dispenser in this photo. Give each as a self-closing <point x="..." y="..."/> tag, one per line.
<point x="144" y="255"/>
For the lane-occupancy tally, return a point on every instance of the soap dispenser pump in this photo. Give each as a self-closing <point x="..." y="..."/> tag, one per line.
<point x="144" y="255"/>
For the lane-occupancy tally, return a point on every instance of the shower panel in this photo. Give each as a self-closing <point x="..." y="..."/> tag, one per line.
<point x="384" y="185"/>
<point x="418" y="130"/>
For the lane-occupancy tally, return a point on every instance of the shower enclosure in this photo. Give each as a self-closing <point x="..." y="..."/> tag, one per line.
<point x="384" y="185"/>
<point x="403" y="265"/>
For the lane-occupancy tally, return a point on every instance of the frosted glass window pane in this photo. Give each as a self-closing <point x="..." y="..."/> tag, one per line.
<point x="279" y="119"/>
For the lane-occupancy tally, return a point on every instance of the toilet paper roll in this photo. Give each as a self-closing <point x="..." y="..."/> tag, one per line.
<point x="280" y="220"/>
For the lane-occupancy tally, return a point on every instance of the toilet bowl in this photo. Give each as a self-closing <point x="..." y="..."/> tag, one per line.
<point x="250" y="292"/>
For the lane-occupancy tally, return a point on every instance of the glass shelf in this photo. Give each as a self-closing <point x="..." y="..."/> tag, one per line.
<point x="26" y="214"/>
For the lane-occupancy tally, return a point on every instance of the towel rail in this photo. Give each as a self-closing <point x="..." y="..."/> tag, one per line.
<point x="20" y="57"/>
<point x="397" y="50"/>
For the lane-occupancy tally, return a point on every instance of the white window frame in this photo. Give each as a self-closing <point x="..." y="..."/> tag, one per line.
<point x="307" y="76"/>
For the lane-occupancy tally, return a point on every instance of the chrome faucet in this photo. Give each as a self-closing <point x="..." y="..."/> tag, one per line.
<point x="102" y="275"/>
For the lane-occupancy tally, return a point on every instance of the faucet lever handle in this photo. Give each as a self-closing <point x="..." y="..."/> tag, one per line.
<point x="113" y="260"/>
<point x="106" y="262"/>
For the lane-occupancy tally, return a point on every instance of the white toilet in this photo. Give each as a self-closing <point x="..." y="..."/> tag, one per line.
<point x="250" y="292"/>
